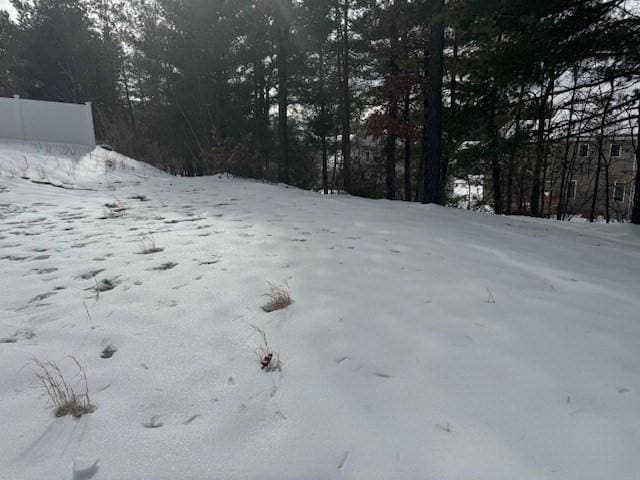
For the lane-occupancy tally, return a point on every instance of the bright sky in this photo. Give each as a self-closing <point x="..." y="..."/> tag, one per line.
<point x="6" y="5"/>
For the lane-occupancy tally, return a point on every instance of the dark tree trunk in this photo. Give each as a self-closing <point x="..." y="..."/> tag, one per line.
<point x="406" y="113"/>
<point x="496" y="177"/>
<point x="323" y="125"/>
<point x="283" y="99"/>
<point x="390" y="153"/>
<point x="420" y="184"/>
<point x="407" y="146"/>
<point x="565" y="159"/>
<point x="596" y="186"/>
<point x="127" y="91"/>
<point x="325" y="173"/>
<point x="540" y="143"/>
<point x="346" y="101"/>
<point x="607" y="193"/>
<point x="511" y="166"/>
<point x="545" y="163"/>
<point x="635" y="213"/>
<point x="494" y="154"/>
<point x="222" y="105"/>
<point x="261" y="112"/>
<point x="390" y="145"/>
<point x="453" y="97"/>
<point x="433" y="126"/>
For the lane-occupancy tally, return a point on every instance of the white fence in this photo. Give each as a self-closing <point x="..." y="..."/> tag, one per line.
<point x="46" y="121"/>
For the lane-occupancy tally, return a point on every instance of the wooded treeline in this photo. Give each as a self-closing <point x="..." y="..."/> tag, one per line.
<point x="279" y="89"/>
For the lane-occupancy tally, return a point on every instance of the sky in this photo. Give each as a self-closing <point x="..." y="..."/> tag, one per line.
<point x="6" y="5"/>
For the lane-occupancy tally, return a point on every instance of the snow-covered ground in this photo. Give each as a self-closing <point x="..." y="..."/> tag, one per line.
<point x="424" y="343"/>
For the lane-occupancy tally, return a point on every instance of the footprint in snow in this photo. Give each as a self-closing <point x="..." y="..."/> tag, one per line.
<point x="191" y="419"/>
<point x="165" y="266"/>
<point x="84" y="469"/>
<point x="105" y="285"/>
<point x="343" y="460"/>
<point x="25" y="333"/>
<point x="109" y="351"/>
<point x="42" y="296"/>
<point x="89" y="275"/>
<point x="44" y="271"/>
<point x="154" y="422"/>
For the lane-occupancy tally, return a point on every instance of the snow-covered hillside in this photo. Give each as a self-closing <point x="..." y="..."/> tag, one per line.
<point x="423" y="342"/>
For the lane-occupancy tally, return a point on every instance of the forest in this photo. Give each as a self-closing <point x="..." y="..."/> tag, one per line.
<point x="284" y="90"/>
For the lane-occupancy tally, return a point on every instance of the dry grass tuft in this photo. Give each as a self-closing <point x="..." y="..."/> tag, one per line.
<point x="115" y="209"/>
<point x="279" y="298"/>
<point x="148" y="245"/>
<point x="65" y="399"/>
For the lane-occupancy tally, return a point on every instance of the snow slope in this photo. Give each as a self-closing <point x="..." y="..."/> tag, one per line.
<point x="424" y="343"/>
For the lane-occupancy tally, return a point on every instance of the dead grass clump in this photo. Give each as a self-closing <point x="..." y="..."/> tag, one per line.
<point x="279" y="298"/>
<point x="104" y="285"/>
<point x="165" y="266"/>
<point x="65" y="399"/>
<point x="148" y="245"/>
<point x="142" y="198"/>
<point x="115" y="209"/>
<point x="269" y="360"/>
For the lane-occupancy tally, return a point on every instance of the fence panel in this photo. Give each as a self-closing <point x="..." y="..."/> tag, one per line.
<point x="46" y="121"/>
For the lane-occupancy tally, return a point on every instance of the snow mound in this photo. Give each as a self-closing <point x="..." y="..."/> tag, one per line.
<point x="69" y="166"/>
<point x="422" y="342"/>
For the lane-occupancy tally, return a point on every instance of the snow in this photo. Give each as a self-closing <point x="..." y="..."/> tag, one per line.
<point x="423" y="342"/>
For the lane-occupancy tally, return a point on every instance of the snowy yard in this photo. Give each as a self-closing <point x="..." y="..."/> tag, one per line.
<point x="423" y="342"/>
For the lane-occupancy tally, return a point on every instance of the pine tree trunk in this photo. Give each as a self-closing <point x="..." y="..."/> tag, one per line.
<point x="433" y="136"/>
<point x="390" y="147"/>
<point x="496" y="166"/>
<point x="260" y="113"/>
<point x="607" y="192"/>
<point x="545" y="162"/>
<point x="323" y="114"/>
<point x="453" y="94"/>
<point x="511" y="166"/>
<point x="346" y="101"/>
<point x="390" y="153"/>
<point x="407" y="147"/>
<point x="565" y="159"/>
<point x="283" y="99"/>
<point x="127" y="91"/>
<point x="540" y="142"/>
<point x="596" y="187"/>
